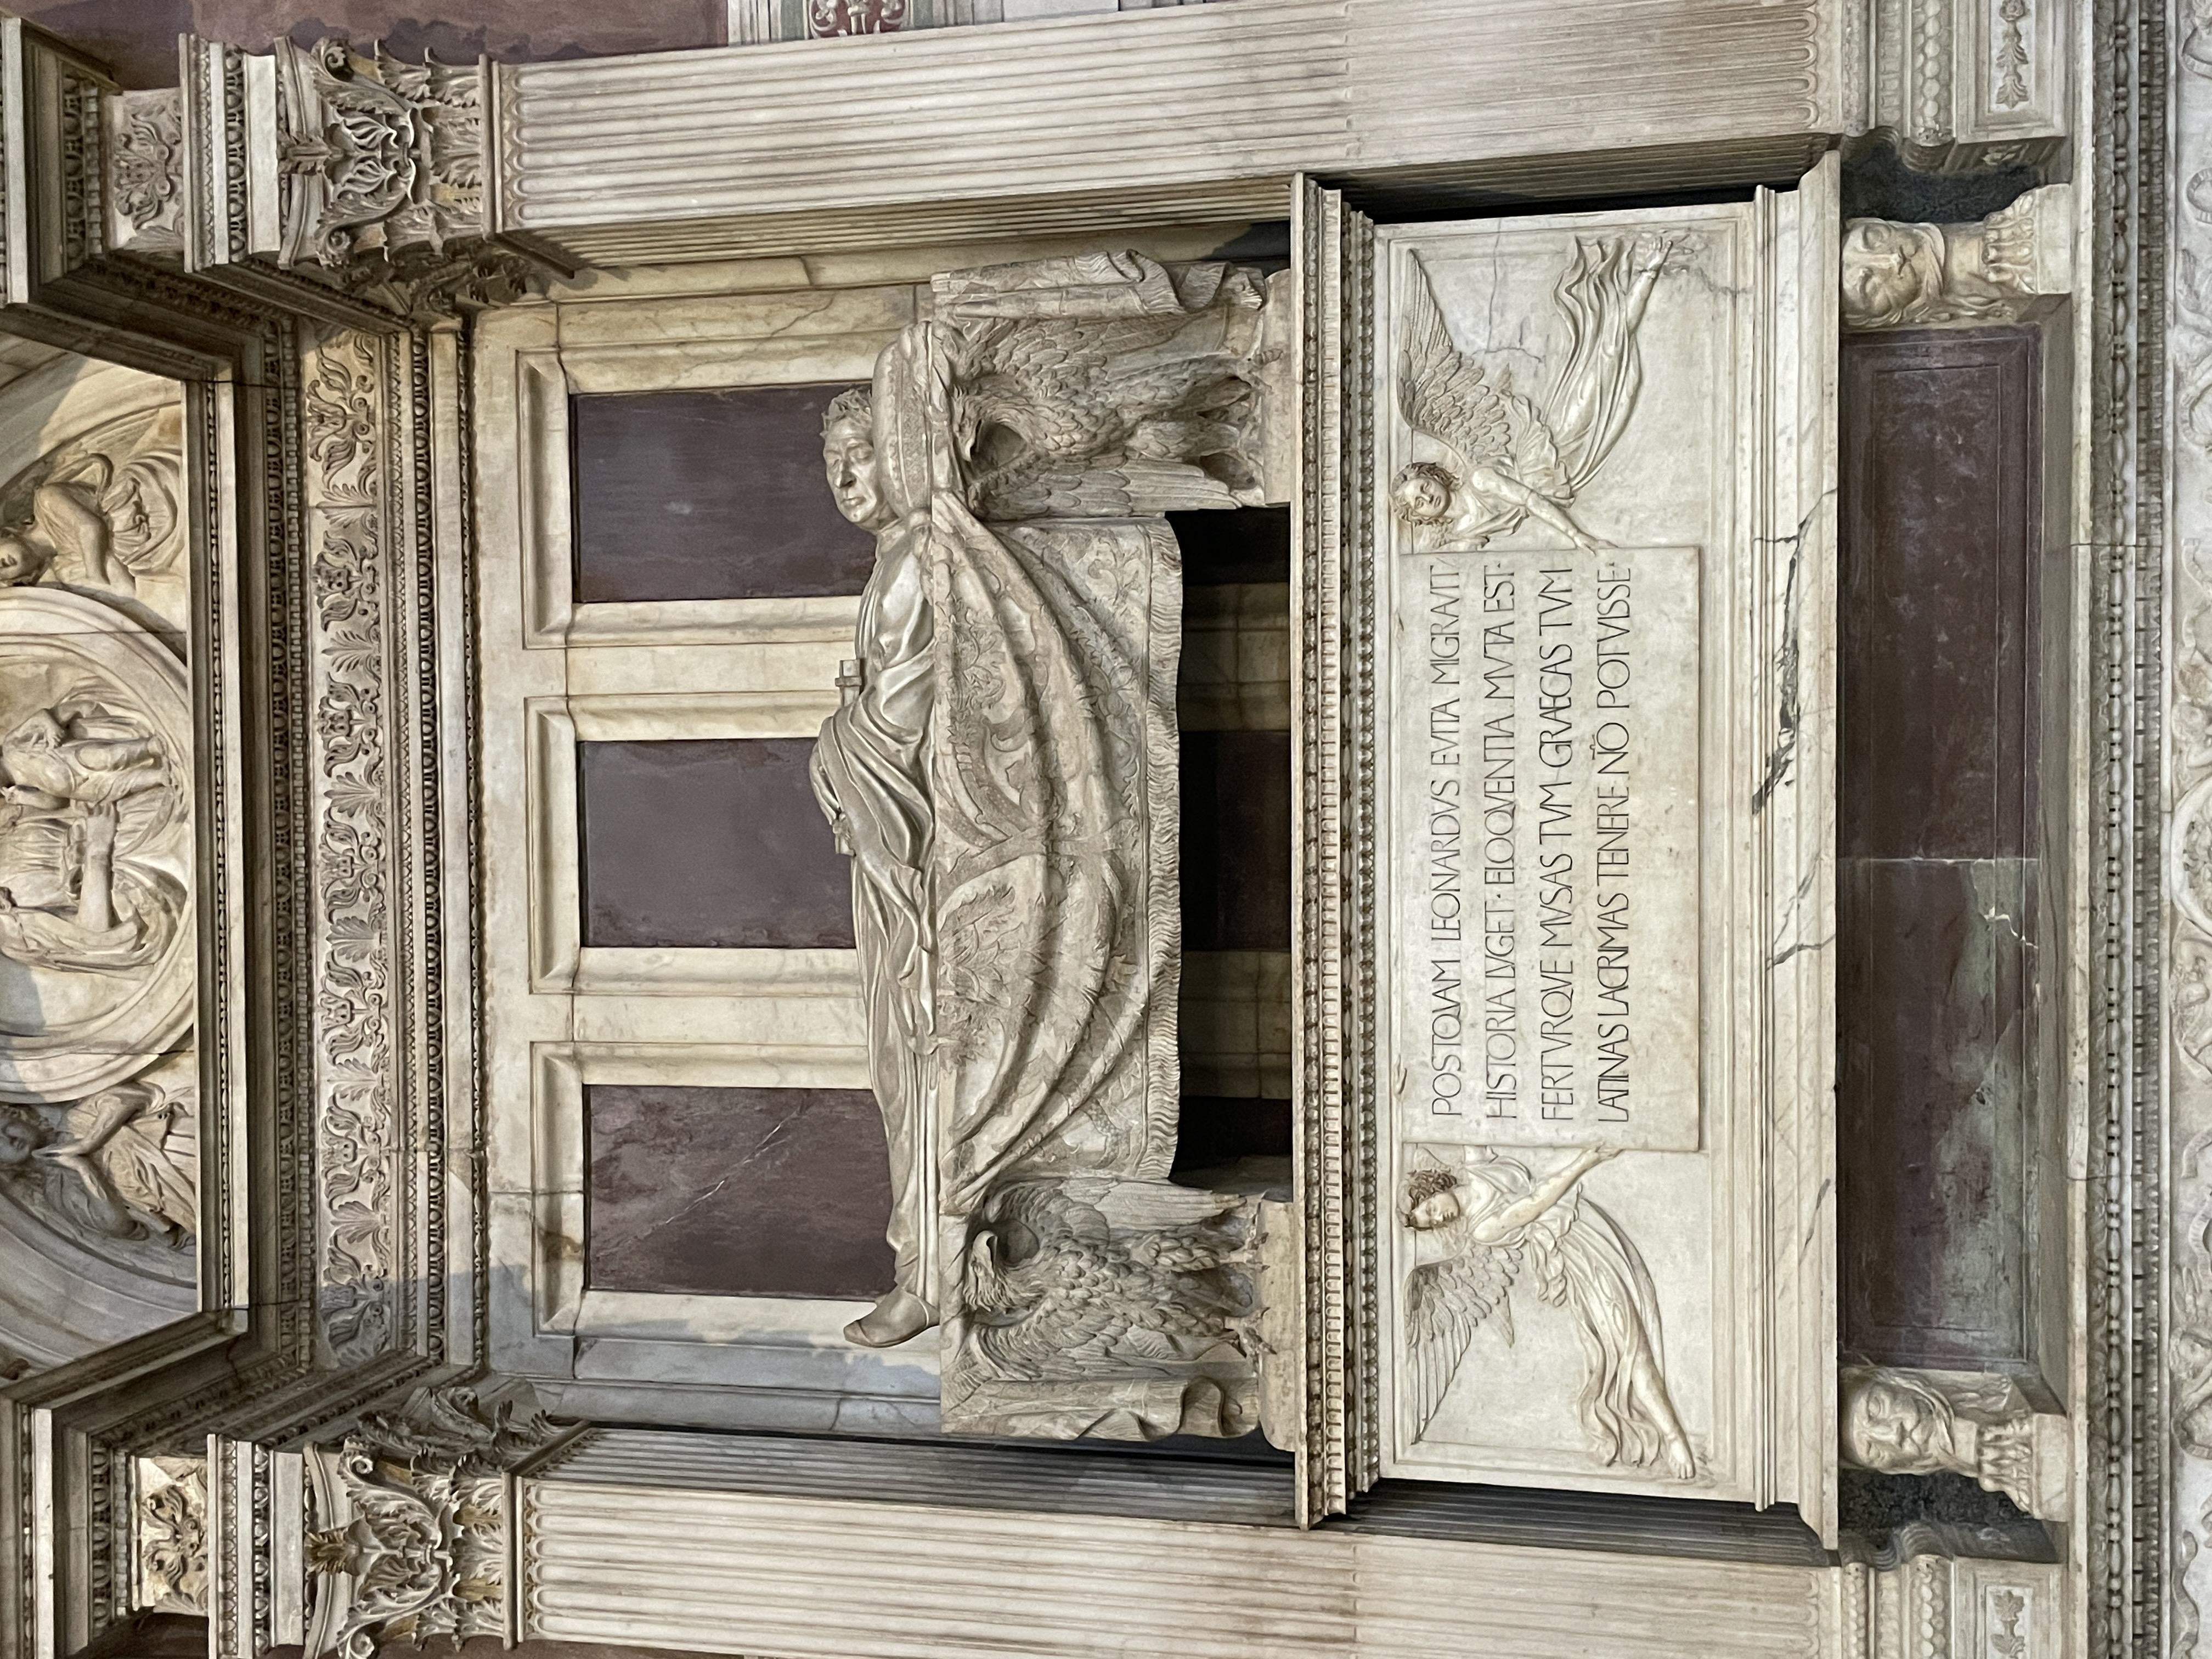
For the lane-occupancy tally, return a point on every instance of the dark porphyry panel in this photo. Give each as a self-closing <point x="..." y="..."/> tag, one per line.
<point x="1236" y="840"/>
<point x="737" y="1191"/>
<point x="713" y="843"/>
<point x="1934" y="1172"/>
<point x="709" y="496"/>
<point x="1212" y="1130"/>
<point x="1938" y="619"/>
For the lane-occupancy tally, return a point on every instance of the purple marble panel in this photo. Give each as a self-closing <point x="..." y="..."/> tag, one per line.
<point x="737" y="1191"/>
<point x="713" y="843"/>
<point x="709" y="496"/>
<point x="1938" y="549"/>
<point x="1932" y="1169"/>
<point x="1235" y="840"/>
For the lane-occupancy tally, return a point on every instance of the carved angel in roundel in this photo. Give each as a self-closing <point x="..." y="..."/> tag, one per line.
<point x="1477" y="1226"/>
<point x="101" y="513"/>
<point x="1511" y="457"/>
<point x="126" y="1162"/>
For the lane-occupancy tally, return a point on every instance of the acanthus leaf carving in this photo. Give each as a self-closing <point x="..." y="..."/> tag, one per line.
<point x="356" y="1134"/>
<point x="169" y="1524"/>
<point x="146" y="170"/>
<point x="409" y="1540"/>
<point x="377" y="155"/>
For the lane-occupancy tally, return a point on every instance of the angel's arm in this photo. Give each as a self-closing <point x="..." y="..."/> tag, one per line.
<point x="1546" y="1193"/>
<point x="1488" y="481"/>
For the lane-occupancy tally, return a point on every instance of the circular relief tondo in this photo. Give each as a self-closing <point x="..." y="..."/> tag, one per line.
<point x="96" y="942"/>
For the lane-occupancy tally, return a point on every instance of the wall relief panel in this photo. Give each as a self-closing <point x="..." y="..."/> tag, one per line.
<point x="99" y="956"/>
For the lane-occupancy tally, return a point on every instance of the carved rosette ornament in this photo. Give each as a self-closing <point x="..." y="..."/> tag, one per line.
<point x="1003" y="772"/>
<point x="407" y="1540"/>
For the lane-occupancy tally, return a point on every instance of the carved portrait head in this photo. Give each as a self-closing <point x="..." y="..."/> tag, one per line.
<point x="1422" y="493"/>
<point x="1901" y="1425"/>
<point x="1893" y="273"/>
<point x="848" y="455"/>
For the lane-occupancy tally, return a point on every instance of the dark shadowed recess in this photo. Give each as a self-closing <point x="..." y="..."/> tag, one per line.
<point x="737" y="1191"/>
<point x="1235" y="840"/>
<point x="714" y="843"/>
<point x="1249" y="545"/>
<point x="709" y="496"/>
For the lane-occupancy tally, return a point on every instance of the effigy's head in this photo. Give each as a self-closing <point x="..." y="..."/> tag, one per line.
<point x="848" y="456"/>
<point x="1422" y="493"/>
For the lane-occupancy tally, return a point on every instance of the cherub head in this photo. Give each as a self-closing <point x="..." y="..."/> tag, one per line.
<point x="1432" y="1199"/>
<point x="21" y="1134"/>
<point x="848" y="454"/>
<point x="1898" y="1424"/>
<point x="1422" y="493"/>
<point x="1893" y="273"/>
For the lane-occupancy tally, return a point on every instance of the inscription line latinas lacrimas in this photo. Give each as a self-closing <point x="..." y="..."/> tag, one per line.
<point x="1529" y="852"/>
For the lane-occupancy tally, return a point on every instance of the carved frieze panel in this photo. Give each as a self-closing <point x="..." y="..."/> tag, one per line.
<point x="169" y="1498"/>
<point x="1600" y="639"/>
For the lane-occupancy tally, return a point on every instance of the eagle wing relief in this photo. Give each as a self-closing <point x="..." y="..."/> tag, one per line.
<point x="1447" y="1301"/>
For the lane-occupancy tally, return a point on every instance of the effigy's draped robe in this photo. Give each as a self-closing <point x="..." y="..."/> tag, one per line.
<point x="1006" y="778"/>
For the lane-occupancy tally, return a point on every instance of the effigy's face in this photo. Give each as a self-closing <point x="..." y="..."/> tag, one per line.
<point x="848" y="455"/>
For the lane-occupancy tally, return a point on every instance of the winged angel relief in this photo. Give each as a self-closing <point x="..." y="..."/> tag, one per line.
<point x="1513" y="457"/>
<point x="1479" y="1222"/>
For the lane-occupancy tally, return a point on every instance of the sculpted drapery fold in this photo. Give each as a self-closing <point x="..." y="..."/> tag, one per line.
<point x="1003" y="772"/>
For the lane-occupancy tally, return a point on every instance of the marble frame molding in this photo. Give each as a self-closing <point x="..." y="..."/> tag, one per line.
<point x="2135" y="1571"/>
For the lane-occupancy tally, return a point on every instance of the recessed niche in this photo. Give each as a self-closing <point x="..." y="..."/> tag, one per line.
<point x="708" y="495"/>
<point x="737" y="1191"/>
<point x="713" y="843"/>
<point x="1249" y="545"/>
<point x="1235" y="840"/>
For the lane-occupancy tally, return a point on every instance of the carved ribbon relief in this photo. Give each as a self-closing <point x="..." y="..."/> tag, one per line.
<point x="1003" y="774"/>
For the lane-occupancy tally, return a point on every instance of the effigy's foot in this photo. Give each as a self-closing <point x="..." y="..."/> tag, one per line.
<point x="897" y="1318"/>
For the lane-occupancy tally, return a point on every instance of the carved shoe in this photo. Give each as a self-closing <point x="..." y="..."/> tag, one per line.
<point x="897" y="1318"/>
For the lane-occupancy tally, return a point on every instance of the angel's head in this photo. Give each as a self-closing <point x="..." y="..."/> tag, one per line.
<point x="1432" y="1199"/>
<point x="848" y="455"/>
<point x="1422" y="493"/>
<point x="22" y="561"/>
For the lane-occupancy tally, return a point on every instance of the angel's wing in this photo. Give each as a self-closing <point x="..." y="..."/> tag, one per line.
<point x="1445" y="393"/>
<point x="1445" y="1302"/>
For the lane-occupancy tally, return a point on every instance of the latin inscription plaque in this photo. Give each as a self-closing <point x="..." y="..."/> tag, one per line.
<point x="1545" y="860"/>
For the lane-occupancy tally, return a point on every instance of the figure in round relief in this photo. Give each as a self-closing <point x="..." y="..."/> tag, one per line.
<point x="1477" y="1222"/>
<point x="122" y="1164"/>
<point x="71" y="898"/>
<point x="1506" y="457"/>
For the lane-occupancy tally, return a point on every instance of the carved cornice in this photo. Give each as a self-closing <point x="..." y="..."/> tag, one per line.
<point x="1959" y="83"/>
